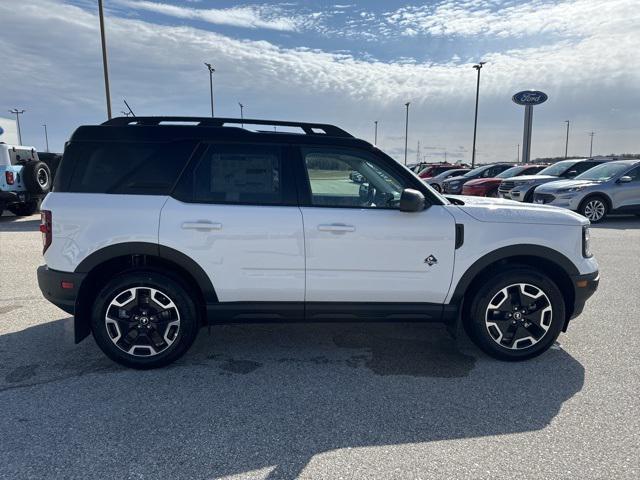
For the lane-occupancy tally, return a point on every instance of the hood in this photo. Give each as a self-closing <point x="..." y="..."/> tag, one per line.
<point x="559" y="184"/>
<point x="500" y="210"/>
<point x="483" y="181"/>
<point x="545" y="178"/>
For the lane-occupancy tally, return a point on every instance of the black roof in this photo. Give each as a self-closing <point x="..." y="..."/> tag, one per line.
<point x="167" y="128"/>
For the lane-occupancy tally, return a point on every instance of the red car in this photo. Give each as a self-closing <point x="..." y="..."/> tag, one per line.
<point x="488" y="187"/>
<point x="436" y="169"/>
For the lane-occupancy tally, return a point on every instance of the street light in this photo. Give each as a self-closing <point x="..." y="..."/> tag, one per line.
<point x="406" y="132"/>
<point x="478" y="67"/>
<point x="241" y="114"/>
<point x="46" y="136"/>
<point x="591" y="134"/>
<point x="105" y="66"/>
<point x="211" y="70"/>
<point x="375" y="134"/>
<point x="17" y="113"/>
<point x="566" y="145"/>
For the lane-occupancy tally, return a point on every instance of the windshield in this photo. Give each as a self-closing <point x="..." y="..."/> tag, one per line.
<point x="557" y="169"/>
<point x="603" y="172"/>
<point x="476" y="171"/>
<point x="510" y="172"/>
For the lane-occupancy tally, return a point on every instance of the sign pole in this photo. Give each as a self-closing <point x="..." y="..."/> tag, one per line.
<point x="526" y="137"/>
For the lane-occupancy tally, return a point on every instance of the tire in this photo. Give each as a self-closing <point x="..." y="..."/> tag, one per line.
<point x="37" y="177"/>
<point x="492" y="193"/>
<point x="162" y="317"/>
<point x="437" y="188"/>
<point x="528" y="197"/>
<point x="490" y="318"/>
<point x="595" y="208"/>
<point x="24" y="209"/>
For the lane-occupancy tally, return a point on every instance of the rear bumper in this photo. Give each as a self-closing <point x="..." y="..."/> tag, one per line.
<point x="51" y="286"/>
<point x="584" y="287"/>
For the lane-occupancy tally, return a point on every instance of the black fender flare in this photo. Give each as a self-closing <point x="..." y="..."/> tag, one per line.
<point x="521" y="250"/>
<point x="152" y="249"/>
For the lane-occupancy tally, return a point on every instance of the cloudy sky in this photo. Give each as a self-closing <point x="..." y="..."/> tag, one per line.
<point x="343" y="62"/>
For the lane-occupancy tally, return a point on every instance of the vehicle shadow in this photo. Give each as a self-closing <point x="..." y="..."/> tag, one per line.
<point x="621" y="222"/>
<point x="11" y="223"/>
<point x="261" y="398"/>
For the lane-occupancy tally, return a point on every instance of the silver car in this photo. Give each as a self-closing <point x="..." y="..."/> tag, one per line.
<point x="436" y="182"/>
<point x="521" y="188"/>
<point x="613" y="187"/>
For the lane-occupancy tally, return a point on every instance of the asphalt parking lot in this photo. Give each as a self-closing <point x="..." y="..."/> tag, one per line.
<point x="321" y="401"/>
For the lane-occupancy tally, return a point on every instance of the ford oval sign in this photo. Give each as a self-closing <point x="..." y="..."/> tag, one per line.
<point x="530" y="97"/>
<point x="1" y="131"/>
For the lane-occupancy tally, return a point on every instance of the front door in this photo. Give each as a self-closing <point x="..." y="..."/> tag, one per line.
<point x="359" y="246"/>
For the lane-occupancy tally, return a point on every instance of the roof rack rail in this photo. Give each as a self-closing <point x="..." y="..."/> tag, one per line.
<point x="308" y="128"/>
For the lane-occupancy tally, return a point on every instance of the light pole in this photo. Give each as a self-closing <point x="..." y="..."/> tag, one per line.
<point x="566" y="144"/>
<point x="241" y="114"/>
<point x="478" y="67"/>
<point x="46" y="136"/>
<point x="211" y="70"/>
<point x="406" y="131"/>
<point x="375" y="134"/>
<point x="105" y="66"/>
<point x="591" y="134"/>
<point x="518" y="153"/>
<point x="17" y="113"/>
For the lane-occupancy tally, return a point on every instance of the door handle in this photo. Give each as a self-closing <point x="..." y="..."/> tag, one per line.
<point x="201" y="226"/>
<point x="336" y="227"/>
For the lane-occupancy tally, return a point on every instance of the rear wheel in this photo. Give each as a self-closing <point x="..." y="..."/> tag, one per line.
<point x="436" y="187"/>
<point x="144" y="320"/>
<point x="594" y="208"/>
<point x="516" y="314"/>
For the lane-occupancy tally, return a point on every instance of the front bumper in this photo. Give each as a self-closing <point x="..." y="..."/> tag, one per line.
<point x="584" y="287"/>
<point x="570" y="201"/>
<point x="519" y="193"/>
<point x="60" y="288"/>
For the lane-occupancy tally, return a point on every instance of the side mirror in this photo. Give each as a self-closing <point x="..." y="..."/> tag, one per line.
<point x="411" y="201"/>
<point x="625" y="179"/>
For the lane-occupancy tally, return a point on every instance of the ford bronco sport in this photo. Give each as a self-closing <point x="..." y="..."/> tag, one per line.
<point x="159" y="225"/>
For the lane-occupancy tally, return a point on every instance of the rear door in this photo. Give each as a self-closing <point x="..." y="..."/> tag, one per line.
<point x="235" y="213"/>
<point x="359" y="246"/>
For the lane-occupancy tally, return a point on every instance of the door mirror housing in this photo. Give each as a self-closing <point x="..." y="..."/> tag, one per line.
<point x="625" y="179"/>
<point x="411" y="201"/>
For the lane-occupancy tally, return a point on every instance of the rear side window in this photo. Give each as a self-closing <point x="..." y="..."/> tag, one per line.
<point x="239" y="174"/>
<point x="133" y="168"/>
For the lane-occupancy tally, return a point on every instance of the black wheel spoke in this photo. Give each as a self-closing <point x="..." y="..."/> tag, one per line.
<point x="534" y="329"/>
<point x="509" y="335"/>
<point x="515" y="295"/>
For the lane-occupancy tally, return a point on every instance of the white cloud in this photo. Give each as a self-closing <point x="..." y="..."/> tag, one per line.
<point x="250" y="16"/>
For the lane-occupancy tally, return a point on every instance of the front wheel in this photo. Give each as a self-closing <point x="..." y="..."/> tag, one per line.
<point x="516" y="314"/>
<point x="144" y="320"/>
<point x="437" y="188"/>
<point x="594" y="208"/>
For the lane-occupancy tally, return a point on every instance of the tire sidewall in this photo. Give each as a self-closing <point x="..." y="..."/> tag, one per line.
<point x="189" y="320"/>
<point x="31" y="170"/>
<point x="475" y="321"/>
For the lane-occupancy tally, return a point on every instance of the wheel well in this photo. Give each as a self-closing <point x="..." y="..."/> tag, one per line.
<point x="599" y="195"/>
<point x="103" y="272"/>
<point x="554" y="271"/>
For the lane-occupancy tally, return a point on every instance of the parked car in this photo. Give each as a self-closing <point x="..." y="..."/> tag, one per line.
<point x="612" y="187"/>
<point x="521" y="188"/>
<point x="436" y="182"/>
<point x="24" y="179"/>
<point x="154" y="229"/>
<point x="454" y="185"/>
<point x="488" y="187"/>
<point x="433" y="169"/>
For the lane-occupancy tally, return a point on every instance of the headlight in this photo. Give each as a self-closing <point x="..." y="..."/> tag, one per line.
<point x="586" y="242"/>
<point x="571" y="189"/>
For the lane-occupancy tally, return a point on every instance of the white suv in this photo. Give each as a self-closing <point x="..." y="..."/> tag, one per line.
<point x="159" y="225"/>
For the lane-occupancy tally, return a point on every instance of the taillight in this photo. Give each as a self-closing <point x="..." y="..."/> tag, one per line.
<point x="45" y="228"/>
<point x="9" y="177"/>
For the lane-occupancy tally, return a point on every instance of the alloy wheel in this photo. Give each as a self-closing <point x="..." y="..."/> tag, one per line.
<point x="594" y="210"/>
<point x="518" y="316"/>
<point x="142" y="321"/>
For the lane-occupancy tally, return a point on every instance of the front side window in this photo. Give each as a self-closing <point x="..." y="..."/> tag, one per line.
<point x="603" y="172"/>
<point x="344" y="178"/>
<point x="240" y="174"/>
